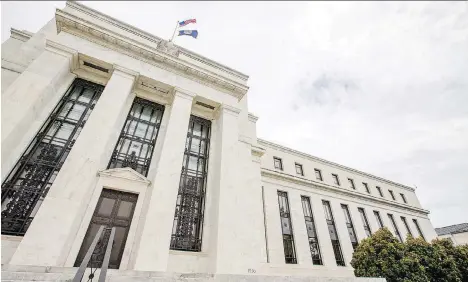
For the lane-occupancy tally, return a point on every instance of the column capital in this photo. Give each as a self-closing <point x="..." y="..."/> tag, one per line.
<point x="182" y="93"/>
<point x="226" y="109"/>
<point x="65" y="51"/>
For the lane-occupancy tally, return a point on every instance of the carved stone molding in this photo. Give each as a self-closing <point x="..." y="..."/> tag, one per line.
<point x="63" y="50"/>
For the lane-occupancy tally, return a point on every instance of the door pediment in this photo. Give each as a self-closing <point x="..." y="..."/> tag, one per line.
<point x="125" y="173"/>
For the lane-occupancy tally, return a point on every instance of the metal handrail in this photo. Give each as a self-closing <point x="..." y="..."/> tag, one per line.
<point x="105" y="264"/>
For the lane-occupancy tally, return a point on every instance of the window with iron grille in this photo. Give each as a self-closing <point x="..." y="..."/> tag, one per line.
<point x="391" y="194"/>
<point x="350" y="226"/>
<point x="318" y="174"/>
<point x="365" y="222"/>
<point x="286" y="227"/>
<point x="336" y="180"/>
<point x="136" y="142"/>
<point x="379" y="219"/>
<point x="419" y="229"/>
<point x="351" y="183"/>
<point x="27" y="184"/>
<point x="278" y="163"/>
<point x="311" y="231"/>
<point x="333" y="234"/>
<point x="188" y="219"/>
<point x="403" y="198"/>
<point x="366" y="187"/>
<point x="299" y="169"/>
<point x="395" y="228"/>
<point x="379" y="190"/>
<point x="406" y="225"/>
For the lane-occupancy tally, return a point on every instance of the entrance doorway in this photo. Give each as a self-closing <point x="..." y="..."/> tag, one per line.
<point x="114" y="209"/>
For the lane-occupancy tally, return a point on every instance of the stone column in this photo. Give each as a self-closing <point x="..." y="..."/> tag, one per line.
<point x="49" y="238"/>
<point x="153" y="250"/>
<point x="30" y="99"/>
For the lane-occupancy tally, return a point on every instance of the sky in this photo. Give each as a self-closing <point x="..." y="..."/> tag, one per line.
<point x="378" y="86"/>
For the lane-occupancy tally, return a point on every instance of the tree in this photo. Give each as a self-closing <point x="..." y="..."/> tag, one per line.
<point x="416" y="260"/>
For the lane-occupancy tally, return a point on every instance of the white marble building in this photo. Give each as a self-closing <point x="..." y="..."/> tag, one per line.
<point x="95" y="115"/>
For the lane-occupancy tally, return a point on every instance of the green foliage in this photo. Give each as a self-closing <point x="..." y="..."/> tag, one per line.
<point x="416" y="260"/>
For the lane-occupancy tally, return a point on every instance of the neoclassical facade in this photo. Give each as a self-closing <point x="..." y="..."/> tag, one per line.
<point x="104" y="124"/>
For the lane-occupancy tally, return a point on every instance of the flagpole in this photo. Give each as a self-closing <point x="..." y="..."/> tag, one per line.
<point x="177" y="23"/>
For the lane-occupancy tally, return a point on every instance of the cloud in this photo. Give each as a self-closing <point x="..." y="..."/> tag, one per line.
<point x="379" y="86"/>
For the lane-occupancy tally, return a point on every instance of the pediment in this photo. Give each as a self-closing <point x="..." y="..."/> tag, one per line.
<point x="125" y="173"/>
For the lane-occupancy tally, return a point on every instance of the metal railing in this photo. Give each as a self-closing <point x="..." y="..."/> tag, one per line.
<point x="89" y="255"/>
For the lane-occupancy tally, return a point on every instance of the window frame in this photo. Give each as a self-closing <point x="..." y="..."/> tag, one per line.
<point x="280" y="161"/>
<point x="336" y="245"/>
<point x="391" y="194"/>
<point x="403" y="197"/>
<point x="365" y="222"/>
<point x="415" y="222"/>
<point x="351" y="181"/>
<point x="350" y="226"/>
<point x="395" y="227"/>
<point x="305" y="201"/>
<point x="298" y="165"/>
<point x="405" y="223"/>
<point x="336" y="179"/>
<point x="379" y="219"/>
<point x="380" y="191"/>
<point x="366" y="186"/>
<point x="287" y="215"/>
<point x="319" y="172"/>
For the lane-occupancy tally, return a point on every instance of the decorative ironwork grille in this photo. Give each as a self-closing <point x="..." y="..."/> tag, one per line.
<point x="138" y="137"/>
<point x="350" y="226"/>
<point x="188" y="219"/>
<point x="379" y="219"/>
<point x="395" y="228"/>
<point x="28" y="183"/>
<point x="362" y="212"/>
<point x="286" y="227"/>
<point x="311" y="231"/>
<point x="418" y="228"/>
<point x="333" y="234"/>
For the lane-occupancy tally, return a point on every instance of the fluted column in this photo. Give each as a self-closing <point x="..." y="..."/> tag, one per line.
<point x="153" y="252"/>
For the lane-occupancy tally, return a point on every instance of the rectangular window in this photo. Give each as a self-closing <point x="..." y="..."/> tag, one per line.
<point x="278" y="163"/>
<point x="403" y="198"/>
<point x="419" y="229"/>
<point x="380" y="191"/>
<point x="311" y="231"/>
<point x="379" y="219"/>
<point x="318" y="174"/>
<point x="366" y="187"/>
<point x="336" y="180"/>
<point x="395" y="228"/>
<point x="350" y="226"/>
<point x="351" y="183"/>
<point x="333" y="234"/>
<point x="137" y="139"/>
<point x="391" y="194"/>
<point x="406" y="225"/>
<point x="299" y="170"/>
<point x="188" y="219"/>
<point x="362" y="212"/>
<point x="27" y="184"/>
<point x="286" y="227"/>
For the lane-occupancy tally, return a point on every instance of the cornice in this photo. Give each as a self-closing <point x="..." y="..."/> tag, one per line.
<point x="253" y="118"/>
<point x="230" y="110"/>
<point x="20" y="34"/>
<point x="65" y="51"/>
<point x="313" y="158"/>
<point x="325" y="187"/>
<point x="164" y="54"/>
<point x="185" y="94"/>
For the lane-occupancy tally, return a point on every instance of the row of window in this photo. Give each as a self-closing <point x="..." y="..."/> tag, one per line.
<point x="278" y="163"/>
<point x="288" y="237"/>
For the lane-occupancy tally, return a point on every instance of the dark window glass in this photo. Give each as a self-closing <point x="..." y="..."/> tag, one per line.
<point x="380" y="191"/>
<point x="406" y="225"/>
<point x="333" y="234"/>
<point x="336" y="180"/>
<point x="403" y="198"/>
<point x="351" y="183"/>
<point x="366" y="187"/>
<point x="379" y="219"/>
<point x="188" y="219"/>
<point x="419" y="229"/>
<point x="286" y="227"/>
<point x="28" y="183"/>
<point x="350" y="226"/>
<point x="318" y="174"/>
<point x="278" y="163"/>
<point x="134" y="148"/>
<point x="365" y="222"/>
<point x="311" y="231"/>
<point x="391" y="194"/>
<point x="299" y="169"/>
<point x="395" y="228"/>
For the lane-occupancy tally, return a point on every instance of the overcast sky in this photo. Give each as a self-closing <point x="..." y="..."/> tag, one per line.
<point x="377" y="86"/>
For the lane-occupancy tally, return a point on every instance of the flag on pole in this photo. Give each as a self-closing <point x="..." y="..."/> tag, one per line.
<point x="193" y="33"/>
<point x="186" y="22"/>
